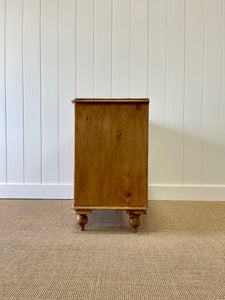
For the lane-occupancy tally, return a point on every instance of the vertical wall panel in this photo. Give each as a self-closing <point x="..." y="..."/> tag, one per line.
<point x="84" y="33"/>
<point x="175" y="90"/>
<point x="2" y="95"/>
<point x="66" y="88"/>
<point x="49" y="91"/>
<point x="14" y="91"/>
<point x="211" y="157"/>
<point x="157" y="90"/>
<point x="223" y="106"/>
<point x="193" y="92"/>
<point x="120" y="49"/>
<point x="31" y="65"/>
<point x="102" y="48"/>
<point x="138" y="48"/>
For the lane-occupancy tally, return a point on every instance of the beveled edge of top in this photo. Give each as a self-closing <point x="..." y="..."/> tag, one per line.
<point x="110" y="100"/>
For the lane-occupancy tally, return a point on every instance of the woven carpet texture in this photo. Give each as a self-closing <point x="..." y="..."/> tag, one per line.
<point x="178" y="252"/>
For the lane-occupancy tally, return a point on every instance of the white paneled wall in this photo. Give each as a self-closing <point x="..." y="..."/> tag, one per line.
<point x="193" y="92"/>
<point x="31" y="92"/>
<point x="172" y="51"/>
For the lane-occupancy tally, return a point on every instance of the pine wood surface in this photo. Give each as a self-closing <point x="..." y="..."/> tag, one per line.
<point x="110" y="100"/>
<point x="111" y="156"/>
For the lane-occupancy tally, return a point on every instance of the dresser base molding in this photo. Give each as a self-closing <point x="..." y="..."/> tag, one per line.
<point x="133" y="212"/>
<point x="139" y="208"/>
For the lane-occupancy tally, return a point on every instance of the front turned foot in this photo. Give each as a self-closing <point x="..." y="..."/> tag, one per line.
<point x="134" y="221"/>
<point x="82" y="221"/>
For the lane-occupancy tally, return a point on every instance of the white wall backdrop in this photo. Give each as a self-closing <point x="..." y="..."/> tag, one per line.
<point x="172" y="51"/>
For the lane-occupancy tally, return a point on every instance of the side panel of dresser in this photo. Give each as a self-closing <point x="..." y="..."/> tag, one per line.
<point x="111" y="155"/>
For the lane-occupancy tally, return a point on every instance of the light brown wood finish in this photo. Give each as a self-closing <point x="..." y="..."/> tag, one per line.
<point x="82" y="220"/>
<point x="109" y="100"/>
<point x="139" y="208"/>
<point x="111" y="154"/>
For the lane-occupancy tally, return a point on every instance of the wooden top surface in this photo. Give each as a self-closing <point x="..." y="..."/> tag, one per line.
<point x="110" y="100"/>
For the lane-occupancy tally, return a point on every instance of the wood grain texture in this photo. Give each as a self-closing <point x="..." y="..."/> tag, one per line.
<point x="111" y="100"/>
<point x="111" y="154"/>
<point x="90" y="208"/>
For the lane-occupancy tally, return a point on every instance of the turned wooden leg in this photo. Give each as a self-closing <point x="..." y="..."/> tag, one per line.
<point x="134" y="221"/>
<point x="82" y="218"/>
<point x="82" y="221"/>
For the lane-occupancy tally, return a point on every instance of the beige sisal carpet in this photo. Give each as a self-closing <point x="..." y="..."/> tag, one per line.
<point x="178" y="253"/>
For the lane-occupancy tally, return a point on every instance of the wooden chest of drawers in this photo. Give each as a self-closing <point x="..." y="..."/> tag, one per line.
<point x="111" y="157"/>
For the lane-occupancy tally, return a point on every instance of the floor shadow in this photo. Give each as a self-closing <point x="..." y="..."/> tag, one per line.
<point x="108" y="220"/>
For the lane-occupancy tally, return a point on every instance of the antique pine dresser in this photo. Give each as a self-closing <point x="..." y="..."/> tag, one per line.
<point x="111" y="157"/>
